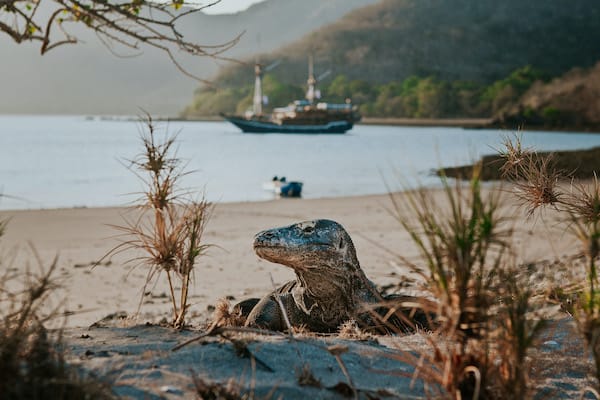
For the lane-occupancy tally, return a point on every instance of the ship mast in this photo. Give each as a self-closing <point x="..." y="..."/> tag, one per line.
<point x="312" y="82"/>
<point x="258" y="97"/>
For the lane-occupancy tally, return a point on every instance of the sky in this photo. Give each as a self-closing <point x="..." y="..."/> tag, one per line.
<point x="229" y="6"/>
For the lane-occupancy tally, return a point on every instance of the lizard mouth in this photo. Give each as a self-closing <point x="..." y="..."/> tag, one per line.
<point x="265" y="246"/>
<point x="276" y="246"/>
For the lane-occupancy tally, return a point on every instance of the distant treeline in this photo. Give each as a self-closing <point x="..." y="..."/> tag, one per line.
<point x="414" y="97"/>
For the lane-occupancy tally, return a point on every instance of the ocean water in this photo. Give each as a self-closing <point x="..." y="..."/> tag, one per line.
<point x="74" y="161"/>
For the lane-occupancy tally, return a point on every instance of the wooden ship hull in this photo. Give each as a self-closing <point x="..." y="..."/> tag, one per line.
<point x="256" y="125"/>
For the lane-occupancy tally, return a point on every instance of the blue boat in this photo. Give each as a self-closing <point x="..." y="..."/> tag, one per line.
<point x="300" y="116"/>
<point x="283" y="188"/>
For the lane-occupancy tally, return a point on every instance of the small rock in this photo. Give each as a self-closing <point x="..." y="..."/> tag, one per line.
<point x="171" y="390"/>
<point x="102" y="353"/>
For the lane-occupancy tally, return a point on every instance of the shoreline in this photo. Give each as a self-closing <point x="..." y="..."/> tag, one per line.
<point x="466" y="123"/>
<point x="391" y="121"/>
<point x="215" y="203"/>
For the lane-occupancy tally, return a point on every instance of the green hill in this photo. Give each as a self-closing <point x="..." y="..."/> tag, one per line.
<point x="571" y="101"/>
<point x="441" y="51"/>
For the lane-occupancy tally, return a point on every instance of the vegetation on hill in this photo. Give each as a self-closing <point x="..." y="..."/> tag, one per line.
<point x="426" y="58"/>
<point x="570" y="101"/>
<point x="414" y="97"/>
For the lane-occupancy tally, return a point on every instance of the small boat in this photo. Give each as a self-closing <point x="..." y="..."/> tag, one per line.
<point x="300" y="116"/>
<point x="283" y="188"/>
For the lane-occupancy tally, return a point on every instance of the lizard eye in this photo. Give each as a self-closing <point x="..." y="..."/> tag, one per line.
<point x="308" y="230"/>
<point x="341" y="244"/>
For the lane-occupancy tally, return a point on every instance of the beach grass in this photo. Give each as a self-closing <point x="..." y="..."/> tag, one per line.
<point x="535" y="176"/>
<point x="169" y="225"/>
<point x="32" y="361"/>
<point x="485" y="320"/>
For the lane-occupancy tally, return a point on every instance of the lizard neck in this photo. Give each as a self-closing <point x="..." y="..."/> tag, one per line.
<point x="327" y="294"/>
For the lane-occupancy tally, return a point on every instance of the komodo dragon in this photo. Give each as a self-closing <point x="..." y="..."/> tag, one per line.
<point x="330" y="286"/>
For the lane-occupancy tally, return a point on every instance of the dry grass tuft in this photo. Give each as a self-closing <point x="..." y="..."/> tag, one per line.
<point x="584" y="203"/>
<point x="581" y="208"/>
<point x="516" y="334"/>
<point x="224" y="316"/>
<point x="482" y="328"/>
<point x="170" y="223"/>
<point x="401" y="314"/>
<point x="535" y="177"/>
<point x="32" y="364"/>
<point x="514" y="154"/>
<point x="461" y="245"/>
<point x="351" y="330"/>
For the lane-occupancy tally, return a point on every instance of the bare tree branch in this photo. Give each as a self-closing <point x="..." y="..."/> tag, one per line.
<point x="131" y="24"/>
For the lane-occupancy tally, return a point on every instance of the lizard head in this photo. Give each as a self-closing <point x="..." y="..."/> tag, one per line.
<point x="308" y="246"/>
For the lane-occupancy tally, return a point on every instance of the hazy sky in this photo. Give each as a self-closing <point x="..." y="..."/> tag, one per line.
<point x="229" y="6"/>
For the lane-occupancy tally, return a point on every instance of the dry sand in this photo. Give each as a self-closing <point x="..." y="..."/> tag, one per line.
<point x="81" y="237"/>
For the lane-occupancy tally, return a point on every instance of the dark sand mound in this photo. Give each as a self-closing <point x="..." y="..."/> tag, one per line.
<point x="142" y="364"/>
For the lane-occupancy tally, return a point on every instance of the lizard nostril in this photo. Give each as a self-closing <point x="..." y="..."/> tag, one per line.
<point x="263" y="238"/>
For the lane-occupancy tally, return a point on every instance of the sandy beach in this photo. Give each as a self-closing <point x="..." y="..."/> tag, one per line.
<point x="139" y="358"/>
<point x="81" y="237"/>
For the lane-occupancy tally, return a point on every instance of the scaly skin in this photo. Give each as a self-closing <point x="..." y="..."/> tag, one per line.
<point x="330" y="286"/>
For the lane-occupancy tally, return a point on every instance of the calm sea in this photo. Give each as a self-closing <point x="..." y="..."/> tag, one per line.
<point x="63" y="161"/>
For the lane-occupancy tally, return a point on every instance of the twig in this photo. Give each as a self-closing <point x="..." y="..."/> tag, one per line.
<point x="130" y="24"/>
<point x="337" y="351"/>
<point x="215" y="330"/>
<point x="282" y="308"/>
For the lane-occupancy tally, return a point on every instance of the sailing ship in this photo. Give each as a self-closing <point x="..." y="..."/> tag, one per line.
<point x="300" y="116"/>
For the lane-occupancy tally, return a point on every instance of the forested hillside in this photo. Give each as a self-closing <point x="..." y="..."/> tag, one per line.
<point x="571" y="101"/>
<point x="426" y="58"/>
